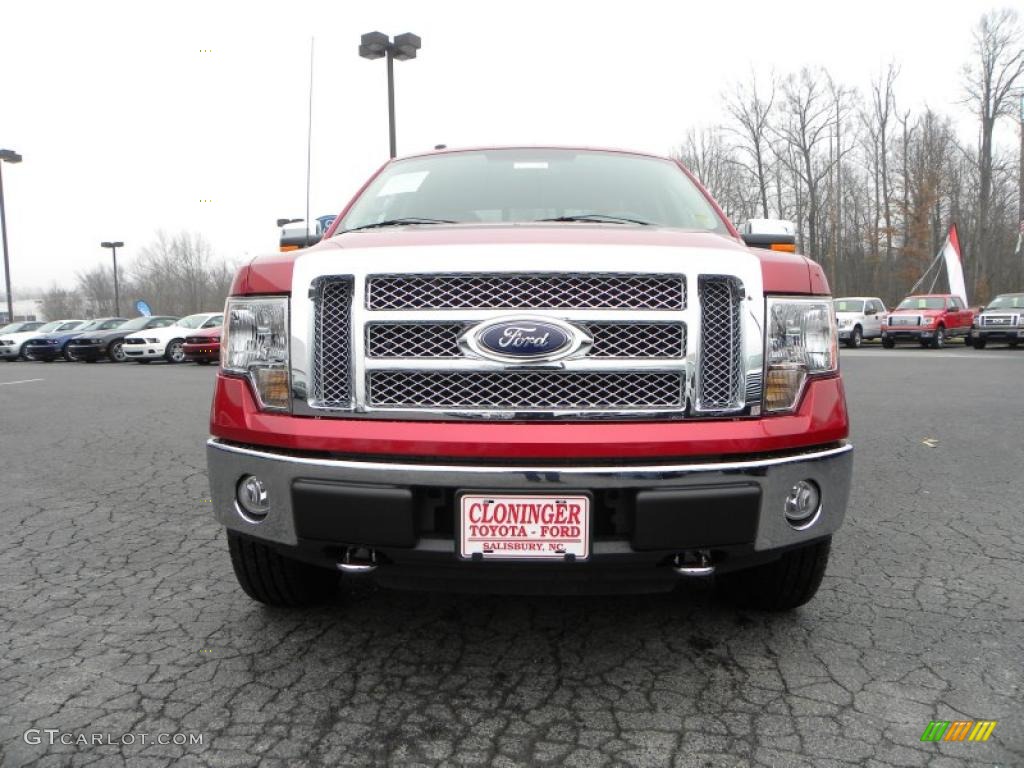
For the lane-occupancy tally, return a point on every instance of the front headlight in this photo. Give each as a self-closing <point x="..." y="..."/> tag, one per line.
<point x="801" y="341"/>
<point x="927" y="320"/>
<point x="254" y="344"/>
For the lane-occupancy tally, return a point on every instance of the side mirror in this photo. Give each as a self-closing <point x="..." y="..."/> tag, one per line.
<point x="771" y="242"/>
<point x="293" y="235"/>
<point x="871" y="311"/>
<point x="772" y="234"/>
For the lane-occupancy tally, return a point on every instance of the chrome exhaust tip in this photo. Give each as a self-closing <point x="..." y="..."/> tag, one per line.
<point x="358" y="560"/>
<point x="702" y="566"/>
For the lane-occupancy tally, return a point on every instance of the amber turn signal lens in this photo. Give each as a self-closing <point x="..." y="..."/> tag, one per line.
<point x="787" y="247"/>
<point x="783" y="387"/>
<point x="289" y="248"/>
<point x="272" y="386"/>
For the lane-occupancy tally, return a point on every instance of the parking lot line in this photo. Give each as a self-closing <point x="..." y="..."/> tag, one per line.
<point x="23" y="381"/>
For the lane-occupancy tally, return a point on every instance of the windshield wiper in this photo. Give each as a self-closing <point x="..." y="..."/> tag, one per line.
<point x="599" y="217"/>
<point x="401" y="222"/>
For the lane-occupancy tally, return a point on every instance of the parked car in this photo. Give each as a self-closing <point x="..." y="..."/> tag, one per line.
<point x="930" y="319"/>
<point x="13" y="335"/>
<point x="90" y="347"/>
<point x="49" y="346"/>
<point x="1001" y="320"/>
<point x="859" y="318"/>
<point x="203" y="347"/>
<point x="498" y="371"/>
<point x="168" y="342"/>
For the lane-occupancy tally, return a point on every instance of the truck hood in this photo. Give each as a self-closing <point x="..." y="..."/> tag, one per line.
<point x="606" y="247"/>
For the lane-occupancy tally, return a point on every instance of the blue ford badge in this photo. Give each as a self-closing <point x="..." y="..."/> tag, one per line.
<point x="526" y="339"/>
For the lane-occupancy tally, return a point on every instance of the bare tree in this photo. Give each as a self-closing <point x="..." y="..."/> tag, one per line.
<point x="751" y="112"/>
<point x="179" y="275"/>
<point x="989" y="82"/>
<point x="61" y="304"/>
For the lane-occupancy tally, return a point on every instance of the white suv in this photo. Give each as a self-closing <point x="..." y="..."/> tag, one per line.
<point x="859" y="318"/>
<point x="167" y="343"/>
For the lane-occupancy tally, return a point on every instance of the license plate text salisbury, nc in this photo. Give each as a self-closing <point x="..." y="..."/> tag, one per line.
<point x="538" y="527"/>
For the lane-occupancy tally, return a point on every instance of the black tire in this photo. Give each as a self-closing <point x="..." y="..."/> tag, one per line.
<point x="66" y="351"/>
<point x="938" y="341"/>
<point x="782" y="585"/>
<point x="115" y="351"/>
<point x="175" y="351"/>
<point x="979" y="343"/>
<point x="856" y="338"/>
<point x="269" y="577"/>
<point x="888" y="343"/>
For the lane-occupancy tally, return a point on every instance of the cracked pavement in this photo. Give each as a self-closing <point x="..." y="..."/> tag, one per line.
<point x="119" y="612"/>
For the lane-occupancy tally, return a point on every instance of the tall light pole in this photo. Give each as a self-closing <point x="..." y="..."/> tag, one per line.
<point x="113" y="246"/>
<point x="376" y="45"/>
<point x="6" y="156"/>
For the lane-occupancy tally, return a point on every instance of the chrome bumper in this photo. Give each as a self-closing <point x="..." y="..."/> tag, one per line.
<point x="830" y="468"/>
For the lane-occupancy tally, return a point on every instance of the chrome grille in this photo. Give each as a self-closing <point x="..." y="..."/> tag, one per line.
<point x="534" y="291"/>
<point x="611" y="340"/>
<point x="721" y="375"/>
<point x="332" y="343"/>
<point x="904" y="320"/>
<point x="987" y="320"/>
<point x="525" y="390"/>
<point x="413" y="339"/>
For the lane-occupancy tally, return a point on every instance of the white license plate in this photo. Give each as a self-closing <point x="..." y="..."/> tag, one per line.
<point x="528" y="527"/>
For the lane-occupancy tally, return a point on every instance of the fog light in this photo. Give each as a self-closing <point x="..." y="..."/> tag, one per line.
<point x="803" y="504"/>
<point x="253" y="497"/>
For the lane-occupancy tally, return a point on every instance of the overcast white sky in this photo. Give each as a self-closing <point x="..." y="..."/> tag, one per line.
<point x="125" y="125"/>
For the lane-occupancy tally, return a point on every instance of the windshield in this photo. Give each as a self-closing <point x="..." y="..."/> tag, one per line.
<point x="1007" y="301"/>
<point x="72" y="326"/>
<point x="923" y="302"/>
<point x="849" y="305"/>
<point x="528" y="185"/>
<point x="192" y="321"/>
<point x="135" y="324"/>
<point x="49" y="327"/>
<point x="109" y="325"/>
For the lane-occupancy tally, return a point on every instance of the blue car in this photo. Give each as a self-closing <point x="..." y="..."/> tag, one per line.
<point x="50" y="346"/>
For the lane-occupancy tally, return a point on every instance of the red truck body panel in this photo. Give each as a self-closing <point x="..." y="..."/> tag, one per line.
<point x="820" y="419"/>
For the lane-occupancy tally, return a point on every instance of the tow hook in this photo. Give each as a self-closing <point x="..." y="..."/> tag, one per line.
<point x="699" y="566"/>
<point x="358" y="560"/>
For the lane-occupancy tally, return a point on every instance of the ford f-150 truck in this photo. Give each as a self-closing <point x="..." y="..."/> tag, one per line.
<point x="1001" y="320"/>
<point x="929" y="319"/>
<point x="531" y="370"/>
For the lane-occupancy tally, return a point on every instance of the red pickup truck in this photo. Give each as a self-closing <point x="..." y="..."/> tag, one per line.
<point x="930" y="319"/>
<point x="531" y="370"/>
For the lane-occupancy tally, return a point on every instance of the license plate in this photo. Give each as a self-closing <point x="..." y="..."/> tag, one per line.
<point x="527" y="527"/>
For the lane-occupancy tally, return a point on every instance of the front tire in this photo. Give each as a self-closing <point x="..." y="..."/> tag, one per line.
<point x="273" y="579"/>
<point x="116" y="352"/>
<point x="979" y="343"/>
<point x="856" y="338"/>
<point x="67" y="353"/>
<point x="175" y="352"/>
<point x="888" y="343"/>
<point x="782" y="585"/>
<point x="939" y="339"/>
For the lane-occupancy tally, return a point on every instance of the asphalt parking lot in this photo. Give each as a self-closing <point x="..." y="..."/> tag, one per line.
<point x="119" y="613"/>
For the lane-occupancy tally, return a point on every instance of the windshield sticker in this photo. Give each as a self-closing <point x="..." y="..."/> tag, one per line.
<point x="403" y="183"/>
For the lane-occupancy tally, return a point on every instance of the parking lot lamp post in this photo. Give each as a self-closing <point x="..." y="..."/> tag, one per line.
<point x="376" y="45"/>
<point x="6" y="156"/>
<point x="113" y="246"/>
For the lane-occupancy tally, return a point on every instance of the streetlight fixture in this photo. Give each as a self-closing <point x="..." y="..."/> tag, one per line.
<point x="377" y="45"/>
<point x="6" y="156"/>
<point x="113" y="246"/>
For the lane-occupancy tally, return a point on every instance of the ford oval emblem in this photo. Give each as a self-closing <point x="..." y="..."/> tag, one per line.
<point x="525" y="339"/>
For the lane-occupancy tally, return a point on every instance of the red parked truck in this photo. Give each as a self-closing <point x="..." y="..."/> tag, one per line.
<point x="523" y="369"/>
<point x="930" y="319"/>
